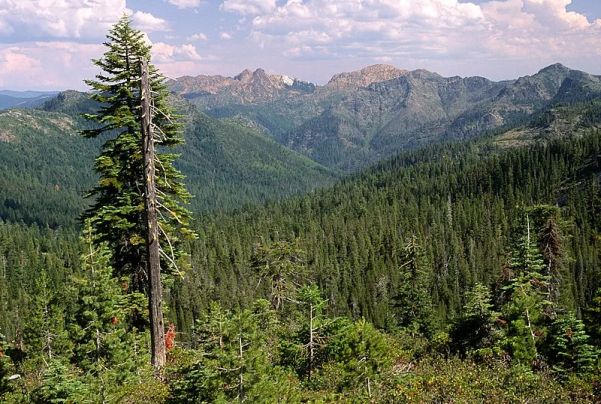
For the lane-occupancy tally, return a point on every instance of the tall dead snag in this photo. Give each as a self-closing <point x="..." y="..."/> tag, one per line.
<point x="153" y="261"/>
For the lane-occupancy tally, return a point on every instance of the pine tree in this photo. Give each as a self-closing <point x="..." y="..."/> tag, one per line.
<point x="314" y="304"/>
<point x="526" y="294"/>
<point x="593" y="318"/>
<point x="99" y="324"/>
<point x="235" y="360"/>
<point x="45" y="335"/>
<point x="6" y="369"/>
<point x="569" y="347"/>
<point x="412" y="303"/>
<point x="138" y="209"/>
<point x="359" y="354"/>
<point x="282" y="265"/>
<point x="476" y="331"/>
<point x="118" y="212"/>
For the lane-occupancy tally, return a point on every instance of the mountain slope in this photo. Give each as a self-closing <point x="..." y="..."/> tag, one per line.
<point x="462" y="203"/>
<point x="23" y="99"/>
<point x="47" y="167"/>
<point x="247" y="87"/>
<point x="361" y="117"/>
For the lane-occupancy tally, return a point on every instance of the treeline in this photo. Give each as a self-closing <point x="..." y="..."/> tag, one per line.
<point x="47" y="167"/>
<point x="454" y="273"/>
<point x="462" y="204"/>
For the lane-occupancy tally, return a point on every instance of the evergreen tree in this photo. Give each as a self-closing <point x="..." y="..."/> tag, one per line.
<point x="569" y="347"/>
<point x="476" y="331"/>
<point x="412" y="303"/>
<point x="358" y="355"/>
<point x="235" y="362"/>
<point x="282" y="265"/>
<point x="314" y="304"/>
<point x="99" y="326"/>
<point x="593" y="317"/>
<point x="61" y="383"/>
<point x="526" y="306"/>
<point x="45" y="335"/>
<point x="118" y="212"/>
<point x="6" y="369"/>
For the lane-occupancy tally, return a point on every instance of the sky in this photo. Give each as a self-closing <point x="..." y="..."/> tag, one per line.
<point x="49" y="44"/>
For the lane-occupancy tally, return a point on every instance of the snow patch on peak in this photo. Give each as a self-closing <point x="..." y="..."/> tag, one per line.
<point x="287" y="80"/>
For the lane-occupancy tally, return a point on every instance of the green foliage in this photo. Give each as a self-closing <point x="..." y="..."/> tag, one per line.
<point x="45" y="330"/>
<point x="235" y="361"/>
<point x="476" y="332"/>
<point x="60" y="384"/>
<point x="118" y="211"/>
<point x="101" y="319"/>
<point x="281" y="264"/>
<point x="463" y="381"/>
<point x="593" y="317"/>
<point x="357" y="356"/>
<point x="569" y="348"/>
<point x="305" y="346"/>
<point x="6" y="369"/>
<point x="526" y="307"/>
<point x="412" y="303"/>
<point x="458" y="201"/>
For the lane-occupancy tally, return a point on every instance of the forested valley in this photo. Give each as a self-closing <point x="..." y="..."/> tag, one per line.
<point x="461" y="271"/>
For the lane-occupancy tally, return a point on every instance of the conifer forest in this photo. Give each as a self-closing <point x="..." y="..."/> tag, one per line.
<point x="158" y="245"/>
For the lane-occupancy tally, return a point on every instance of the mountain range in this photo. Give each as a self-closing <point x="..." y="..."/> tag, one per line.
<point x="24" y="99"/>
<point x="361" y="117"/>
<point x="257" y="137"/>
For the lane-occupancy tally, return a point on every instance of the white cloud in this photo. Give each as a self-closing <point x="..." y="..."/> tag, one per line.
<point x="148" y="22"/>
<point x="27" y="20"/>
<point x="198" y="37"/>
<point x="423" y="32"/>
<point x="185" y="3"/>
<point x="47" y="65"/>
<point x="249" y="7"/>
<point x="225" y="35"/>
<point x="165" y="53"/>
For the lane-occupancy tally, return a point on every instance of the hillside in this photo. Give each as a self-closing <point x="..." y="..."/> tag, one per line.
<point x="47" y="166"/>
<point x="462" y="202"/>
<point x="462" y="206"/>
<point x="24" y="99"/>
<point x="361" y="117"/>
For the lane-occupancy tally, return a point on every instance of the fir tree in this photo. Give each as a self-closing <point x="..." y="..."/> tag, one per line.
<point x="45" y="334"/>
<point x="593" y="318"/>
<point x="476" y="331"/>
<point x="118" y="212"/>
<point x="99" y="324"/>
<point x="314" y="304"/>
<point x="235" y="360"/>
<point x="6" y="369"/>
<point x="569" y="347"/>
<point x="282" y="265"/>
<point x="526" y="306"/>
<point x="412" y="303"/>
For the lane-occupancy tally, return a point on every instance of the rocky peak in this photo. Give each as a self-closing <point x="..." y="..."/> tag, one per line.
<point x="365" y="76"/>
<point x="244" y="76"/>
<point x="555" y="68"/>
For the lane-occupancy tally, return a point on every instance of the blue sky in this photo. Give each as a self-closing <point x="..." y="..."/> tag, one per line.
<point x="48" y="44"/>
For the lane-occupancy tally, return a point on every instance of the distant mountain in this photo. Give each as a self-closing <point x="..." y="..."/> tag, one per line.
<point x="364" y="77"/>
<point x="361" y="117"/>
<point x="247" y="87"/>
<point x="24" y="99"/>
<point x="47" y="166"/>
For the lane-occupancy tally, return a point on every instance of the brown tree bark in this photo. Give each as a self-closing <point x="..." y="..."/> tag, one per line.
<point x="153" y="263"/>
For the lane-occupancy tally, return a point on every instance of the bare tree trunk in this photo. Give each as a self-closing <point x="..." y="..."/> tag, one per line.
<point x="241" y="374"/>
<point x="157" y="331"/>
<point x="311" y="342"/>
